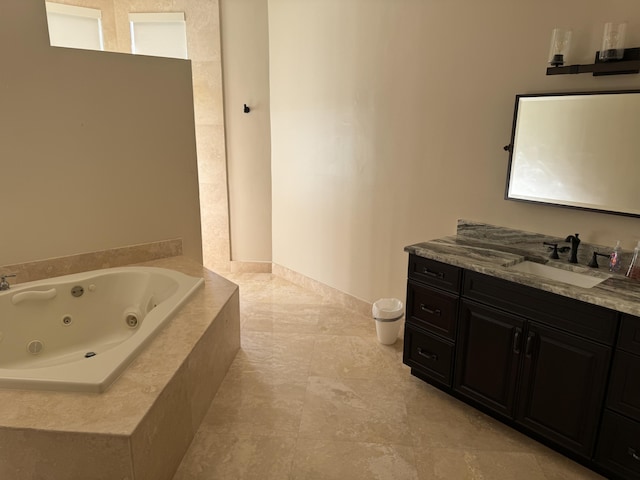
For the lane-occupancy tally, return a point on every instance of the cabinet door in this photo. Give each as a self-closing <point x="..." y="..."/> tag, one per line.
<point x="619" y="445"/>
<point x="563" y="381"/>
<point x="624" y="387"/>
<point x="488" y="353"/>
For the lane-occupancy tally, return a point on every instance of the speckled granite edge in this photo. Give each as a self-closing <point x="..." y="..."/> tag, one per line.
<point x="491" y="250"/>
<point x="84" y="262"/>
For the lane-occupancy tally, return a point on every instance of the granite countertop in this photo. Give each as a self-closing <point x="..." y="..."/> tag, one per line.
<point x="492" y="249"/>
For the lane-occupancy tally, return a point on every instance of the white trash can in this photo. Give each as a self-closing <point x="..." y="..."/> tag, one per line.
<point x="387" y="313"/>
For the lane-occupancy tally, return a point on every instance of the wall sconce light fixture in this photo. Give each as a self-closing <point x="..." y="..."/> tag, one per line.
<point x="613" y="41"/>
<point x="613" y="59"/>
<point x="560" y="43"/>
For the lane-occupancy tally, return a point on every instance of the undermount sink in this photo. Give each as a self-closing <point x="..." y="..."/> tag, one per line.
<point x="552" y="273"/>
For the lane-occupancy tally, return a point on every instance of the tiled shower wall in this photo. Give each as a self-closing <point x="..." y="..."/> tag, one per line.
<point x="203" y="45"/>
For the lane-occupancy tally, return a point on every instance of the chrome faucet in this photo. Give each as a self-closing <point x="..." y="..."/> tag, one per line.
<point x="4" y="285"/>
<point x="575" y="241"/>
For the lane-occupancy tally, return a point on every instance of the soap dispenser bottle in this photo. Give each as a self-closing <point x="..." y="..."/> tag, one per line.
<point x="615" y="257"/>
<point x="634" y="267"/>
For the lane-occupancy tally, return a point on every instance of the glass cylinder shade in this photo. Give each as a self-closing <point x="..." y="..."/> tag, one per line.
<point x="613" y="41"/>
<point x="560" y="43"/>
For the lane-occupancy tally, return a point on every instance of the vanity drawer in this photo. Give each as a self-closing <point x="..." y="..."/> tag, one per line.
<point x="624" y="386"/>
<point x="590" y="321"/>
<point x="433" y="310"/>
<point x="619" y="445"/>
<point x="629" y="336"/>
<point x="429" y="354"/>
<point x="435" y="273"/>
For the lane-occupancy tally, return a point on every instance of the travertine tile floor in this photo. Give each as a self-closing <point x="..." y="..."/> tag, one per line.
<point x="313" y="395"/>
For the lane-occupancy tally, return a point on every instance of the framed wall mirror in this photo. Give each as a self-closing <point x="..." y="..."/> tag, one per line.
<point x="577" y="150"/>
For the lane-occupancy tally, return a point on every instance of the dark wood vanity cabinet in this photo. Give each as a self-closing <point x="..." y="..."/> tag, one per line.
<point x="536" y="360"/>
<point x="432" y="307"/>
<point x="619" y="446"/>
<point x="547" y="380"/>
<point x="619" y="442"/>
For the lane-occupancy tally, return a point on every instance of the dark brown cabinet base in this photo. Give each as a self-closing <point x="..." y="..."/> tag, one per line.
<point x="619" y="448"/>
<point x="535" y="360"/>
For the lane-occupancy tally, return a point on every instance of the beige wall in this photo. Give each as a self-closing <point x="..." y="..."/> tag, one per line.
<point x="97" y="149"/>
<point x="245" y="43"/>
<point x="388" y="119"/>
<point x="203" y="46"/>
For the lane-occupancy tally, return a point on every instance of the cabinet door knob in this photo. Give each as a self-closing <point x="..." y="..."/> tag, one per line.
<point x="427" y="355"/>
<point x="431" y="273"/>
<point x="634" y="454"/>
<point x="430" y="311"/>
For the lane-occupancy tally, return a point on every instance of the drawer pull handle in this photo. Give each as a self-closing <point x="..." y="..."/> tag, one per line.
<point x="529" y="346"/>
<point x="427" y="355"/>
<point x="516" y="342"/>
<point x="634" y="455"/>
<point x="431" y="273"/>
<point x="430" y="311"/>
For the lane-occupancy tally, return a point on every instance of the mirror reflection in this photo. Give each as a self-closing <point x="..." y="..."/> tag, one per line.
<point x="577" y="150"/>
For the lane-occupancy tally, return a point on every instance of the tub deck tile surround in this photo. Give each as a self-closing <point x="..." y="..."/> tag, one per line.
<point x="141" y="426"/>
<point x="85" y="262"/>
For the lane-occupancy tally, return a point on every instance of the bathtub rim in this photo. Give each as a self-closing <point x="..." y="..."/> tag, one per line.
<point x="103" y="373"/>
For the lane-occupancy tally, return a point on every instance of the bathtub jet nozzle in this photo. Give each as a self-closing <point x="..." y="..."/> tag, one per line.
<point x="77" y="291"/>
<point x="132" y="320"/>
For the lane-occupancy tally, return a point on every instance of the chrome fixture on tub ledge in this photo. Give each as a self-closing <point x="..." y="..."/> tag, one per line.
<point x="4" y="285"/>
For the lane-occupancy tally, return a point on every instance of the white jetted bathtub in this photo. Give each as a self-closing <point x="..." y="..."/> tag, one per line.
<point x="79" y="332"/>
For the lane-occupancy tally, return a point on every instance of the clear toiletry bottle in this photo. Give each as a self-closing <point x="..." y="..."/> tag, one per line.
<point x="634" y="266"/>
<point x="615" y="257"/>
